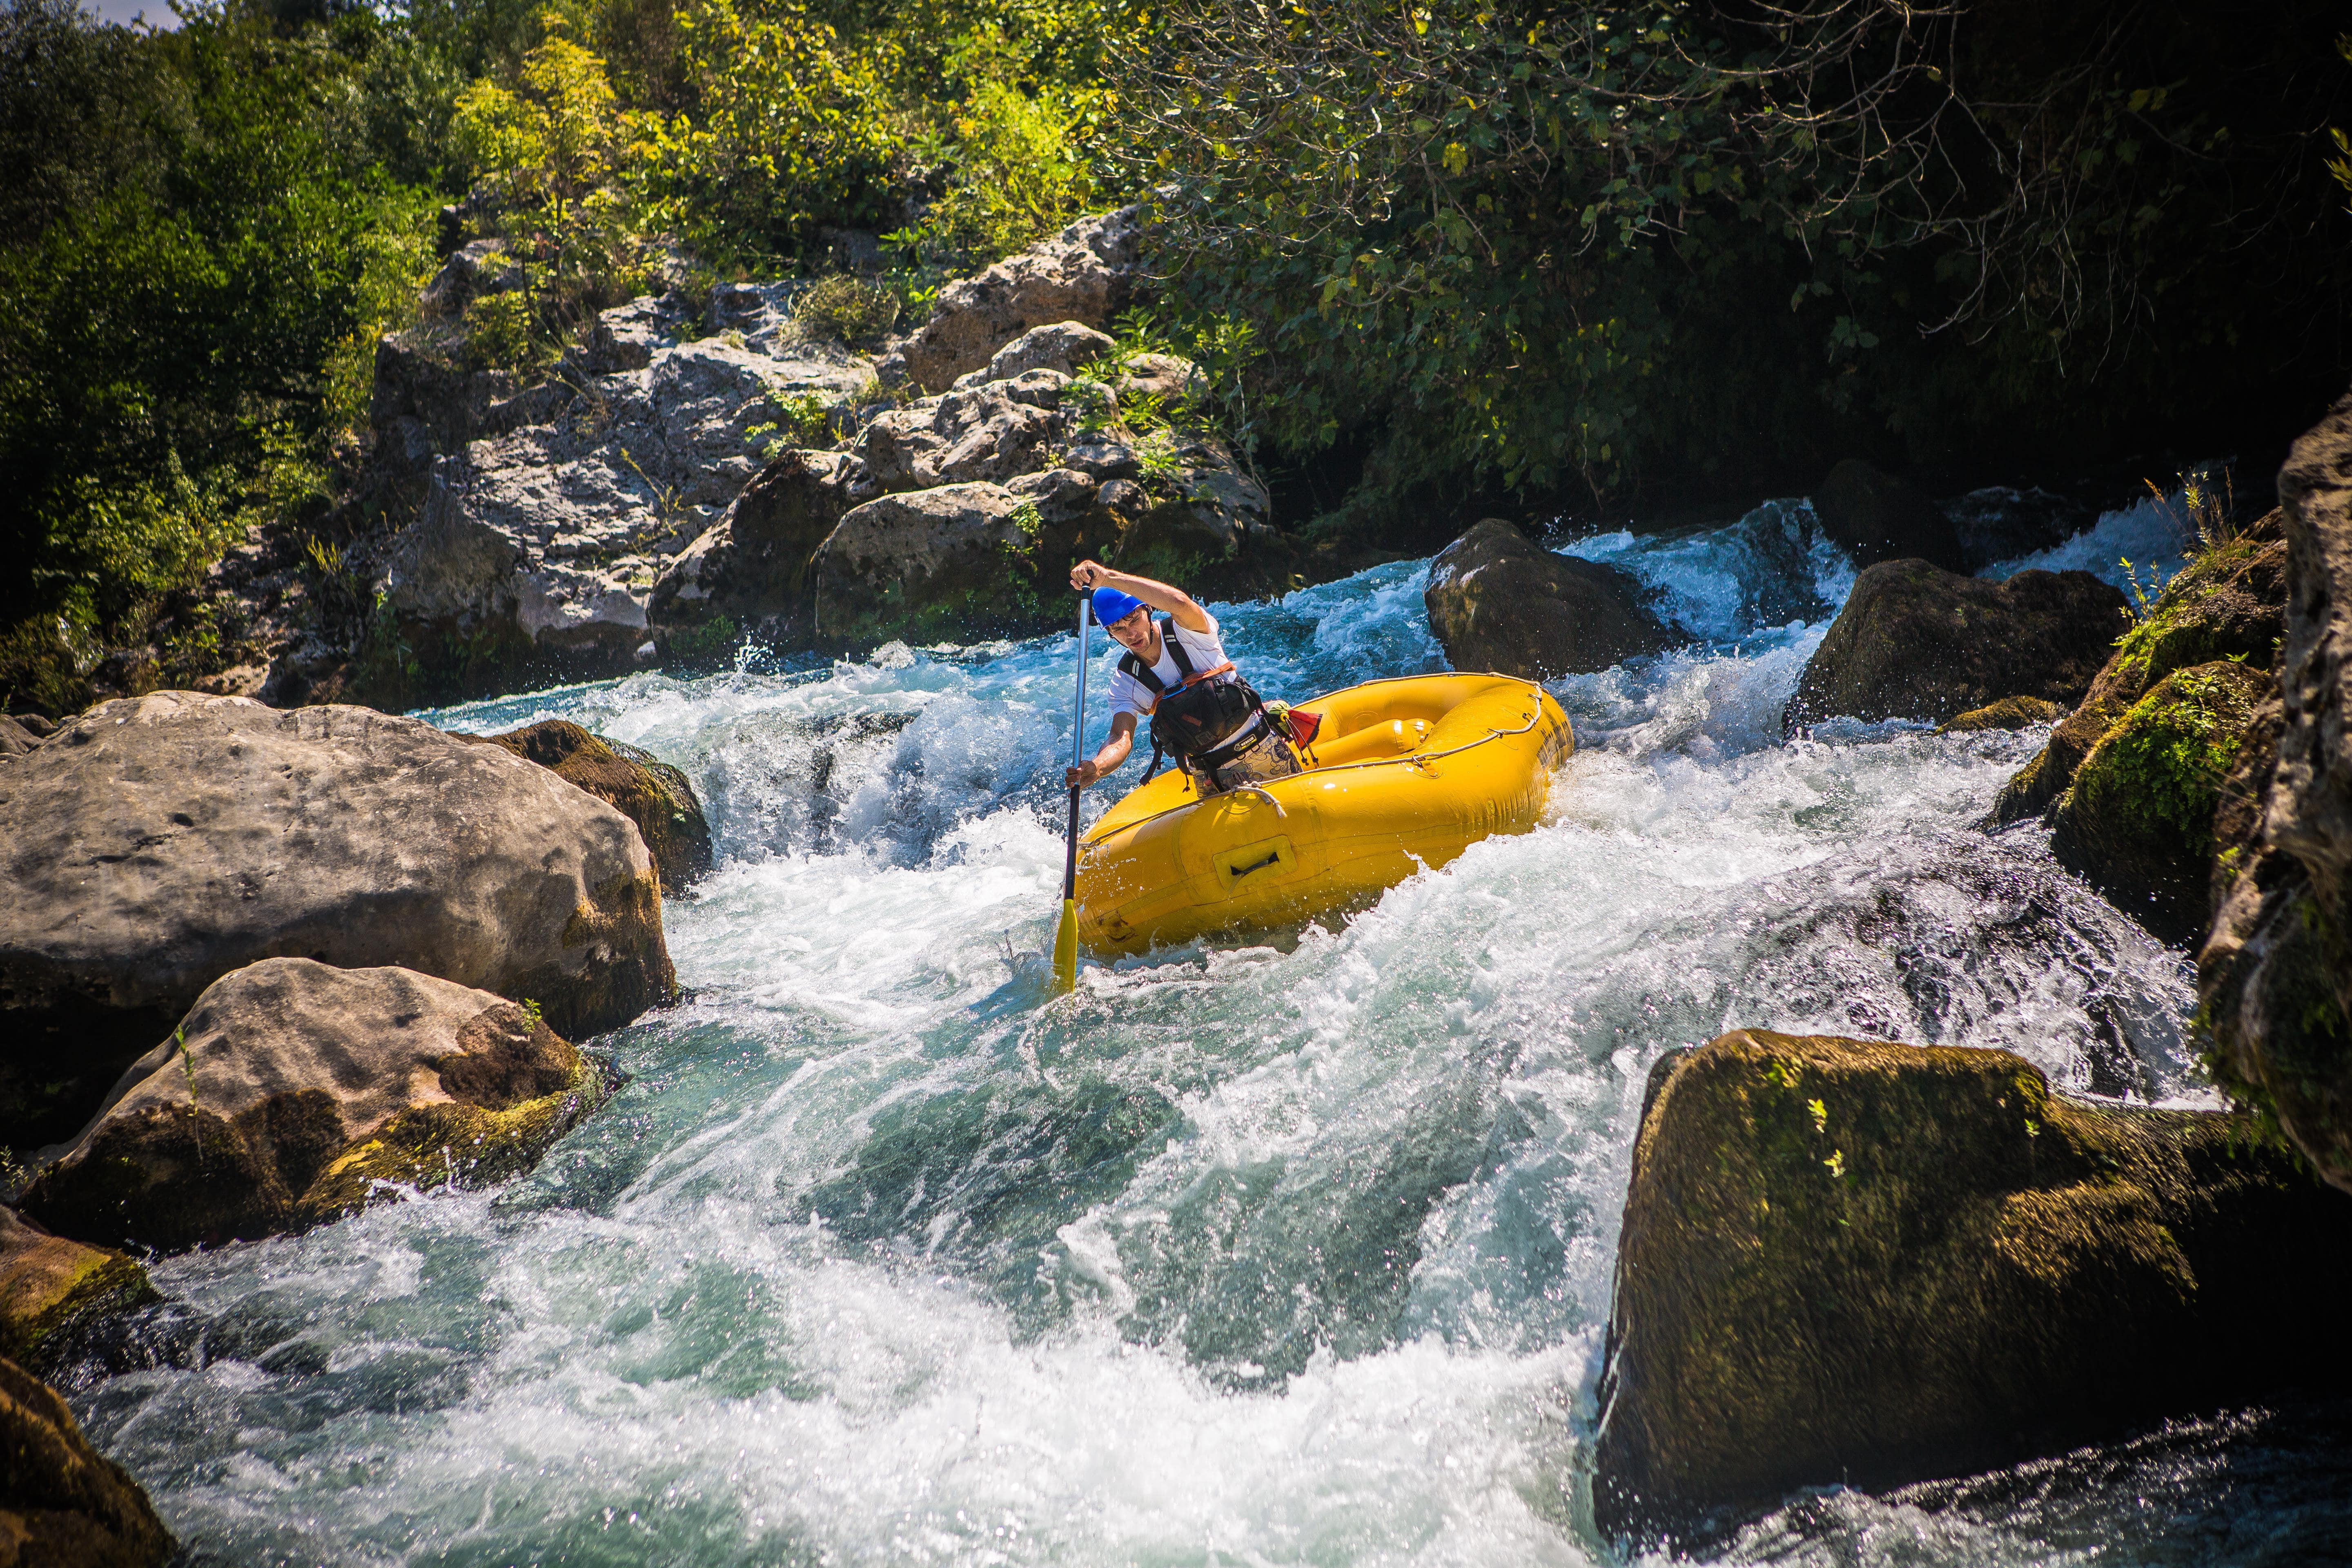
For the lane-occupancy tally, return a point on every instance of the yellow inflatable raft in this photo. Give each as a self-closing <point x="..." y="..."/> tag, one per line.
<point x="1402" y="775"/>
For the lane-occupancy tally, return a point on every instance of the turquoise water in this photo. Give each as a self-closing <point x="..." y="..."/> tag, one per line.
<point x="1295" y="1251"/>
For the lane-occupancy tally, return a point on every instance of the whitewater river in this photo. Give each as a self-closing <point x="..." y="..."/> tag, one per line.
<point x="1291" y="1253"/>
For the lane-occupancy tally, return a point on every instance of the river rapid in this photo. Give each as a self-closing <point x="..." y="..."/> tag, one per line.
<point x="1296" y="1250"/>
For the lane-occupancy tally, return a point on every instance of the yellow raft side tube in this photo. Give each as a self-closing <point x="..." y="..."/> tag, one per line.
<point x="1404" y="774"/>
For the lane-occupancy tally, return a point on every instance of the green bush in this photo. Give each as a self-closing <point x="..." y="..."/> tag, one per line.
<point x="845" y="309"/>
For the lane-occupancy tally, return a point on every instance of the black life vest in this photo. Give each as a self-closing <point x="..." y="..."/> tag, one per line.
<point x="1200" y="722"/>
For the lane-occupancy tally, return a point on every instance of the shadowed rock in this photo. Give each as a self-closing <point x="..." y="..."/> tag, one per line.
<point x="1914" y="641"/>
<point x="1875" y="517"/>
<point x="1498" y="602"/>
<point x="159" y="843"/>
<point x="750" y="577"/>
<point x="650" y="793"/>
<point x="293" y="1091"/>
<point x="1853" y="1261"/>
<point x="62" y="1503"/>
<point x="2275" y="976"/>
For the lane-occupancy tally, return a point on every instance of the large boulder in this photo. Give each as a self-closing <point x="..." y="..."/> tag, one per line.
<point x="1860" y="1262"/>
<point x="1914" y="641"/>
<point x="1498" y="602"/>
<point x="1875" y="517"/>
<point x="749" y="578"/>
<point x="985" y="434"/>
<point x="650" y="793"/>
<point x="1085" y="274"/>
<point x="2275" y="976"/>
<point x="62" y="1503"/>
<point x="294" y="1092"/>
<point x="958" y="563"/>
<point x="160" y="842"/>
<point x="2138" y="821"/>
<point x="2228" y="603"/>
<point x="1065" y="346"/>
<point x="50" y="1287"/>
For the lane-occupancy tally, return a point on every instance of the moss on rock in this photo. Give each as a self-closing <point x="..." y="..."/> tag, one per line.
<point x="2138" y="821"/>
<point x="50" y="1287"/>
<point x="650" y="793"/>
<point x="1850" y="1260"/>
<point x="2008" y="713"/>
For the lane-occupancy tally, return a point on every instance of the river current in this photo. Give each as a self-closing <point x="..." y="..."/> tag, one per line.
<point x="1292" y="1251"/>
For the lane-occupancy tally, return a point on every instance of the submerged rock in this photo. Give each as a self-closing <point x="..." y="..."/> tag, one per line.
<point x="159" y="843"/>
<point x="2137" y="822"/>
<point x="1860" y="1262"/>
<point x="1875" y="517"/>
<point x="62" y="1503"/>
<point x="1498" y="602"/>
<point x="1914" y="641"/>
<point x="2275" y="976"/>
<point x="2228" y="603"/>
<point x="650" y="793"/>
<point x="51" y="1286"/>
<point x="293" y="1092"/>
<point x="1085" y="274"/>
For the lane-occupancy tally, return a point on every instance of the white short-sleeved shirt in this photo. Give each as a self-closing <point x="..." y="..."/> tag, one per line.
<point x="1129" y="695"/>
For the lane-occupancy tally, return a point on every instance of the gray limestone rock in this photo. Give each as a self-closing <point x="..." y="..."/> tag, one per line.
<point x="160" y="842"/>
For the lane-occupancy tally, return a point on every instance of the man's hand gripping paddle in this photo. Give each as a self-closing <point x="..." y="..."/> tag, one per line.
<point x="1065" y="939"/>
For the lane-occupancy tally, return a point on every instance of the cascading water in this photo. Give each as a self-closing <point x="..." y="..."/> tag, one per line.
<point x="1291" y="1251"/>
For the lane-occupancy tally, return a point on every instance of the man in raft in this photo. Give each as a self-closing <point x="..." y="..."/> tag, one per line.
<point x="1175" y="673"/>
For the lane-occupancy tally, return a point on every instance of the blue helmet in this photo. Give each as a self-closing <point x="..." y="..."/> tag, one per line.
<point x="1110" y="605"/>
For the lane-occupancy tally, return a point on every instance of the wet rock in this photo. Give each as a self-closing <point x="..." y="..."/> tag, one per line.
<point x="52" y="1289"/>
<point x="2008" y="713"/>
<point x="954" y="563"/>
<point x="2230" y="602"/>
<point x="62" y="1503"/>
<point x="1875" y="517"/>
<point x="1860" y="1262"/>
<point x="294" y="1092"/>
<point x="1085" y="274"/>
<point x="162" y="842"/>
<point x="650" y="793"/>
<point x="1914" y="641"/>
<point x="1497" y="602"/>
<point x="2137" y="822"/>
<point x="750" y="577"/>
<point x="2275" y="976"/>
<point x="1065" y="346"/>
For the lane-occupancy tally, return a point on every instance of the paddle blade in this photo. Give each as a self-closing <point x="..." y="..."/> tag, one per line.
<point x="1066" y="949"/>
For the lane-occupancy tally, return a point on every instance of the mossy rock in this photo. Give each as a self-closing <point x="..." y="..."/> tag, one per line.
<point x="2137" y="822"/>
<point x="295" y="1092"/>
<point x="63" y="1504"/>
<point x="657" y="798"/>
<point x="51" y="1286"/>
<point x="2008" y="713"/>
<point x="1862" y="1262"/>
<point x="2228" y="603"/>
